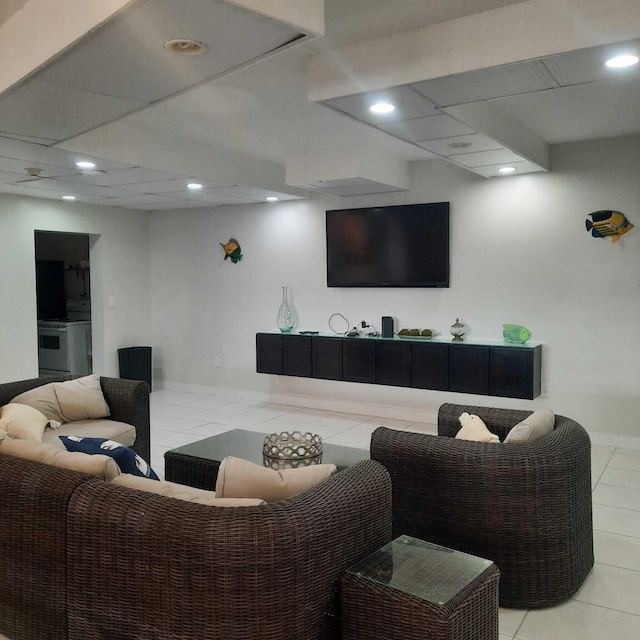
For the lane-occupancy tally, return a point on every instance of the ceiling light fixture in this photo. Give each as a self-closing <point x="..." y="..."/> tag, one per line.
<point x="68" y="197"/>
<point x="622" y="61"/>
<point x="85" y="164"/>
<point x="507" y="169"/>
<point x="272" y="198"/>
<point x="185" y="47"/>
<point x="382" y="107"/>
<point x="459" y="145"/>
<point x="194" y="186"/>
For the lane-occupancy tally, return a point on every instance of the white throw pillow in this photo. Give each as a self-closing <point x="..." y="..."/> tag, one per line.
<point x="539" y="424"/>
<point x="22" y="421"/>
<point x="474" y="428"/>
<point x="238" y="478"/>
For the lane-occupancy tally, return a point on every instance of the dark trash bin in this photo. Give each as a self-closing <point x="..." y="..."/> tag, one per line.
<point x="135" y="363"/>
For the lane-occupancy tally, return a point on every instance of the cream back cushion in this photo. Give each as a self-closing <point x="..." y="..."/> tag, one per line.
<point x="97" y="465"/>
<point x="22" y="421"/>
<point x="539" y="424"/>
<point x="182" y="492"/>
<point x="121" y="432"/>
<point x="239" y="478"/>
<point x="79" y="399"/>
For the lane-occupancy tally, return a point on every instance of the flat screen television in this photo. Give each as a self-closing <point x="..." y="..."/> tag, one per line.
<point x="397" y="246"/>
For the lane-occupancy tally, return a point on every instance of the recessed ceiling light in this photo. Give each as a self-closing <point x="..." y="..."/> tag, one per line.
<point x="459" y="145"/>
<point x="622" y="61"/>
<point x="185" y="47"/>
<point x="85" y="164"/>
<point x="507" y="169"/>
<point x="194" y="186"/>
<point x="68" y="197"/>
<point x="272" y="198"/>
<point x="382" y="107"/>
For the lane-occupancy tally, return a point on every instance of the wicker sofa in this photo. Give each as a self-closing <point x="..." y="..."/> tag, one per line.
<point x="128" y="402"/>
<point x="525" y="506"/>
<point x="84" y="559"/>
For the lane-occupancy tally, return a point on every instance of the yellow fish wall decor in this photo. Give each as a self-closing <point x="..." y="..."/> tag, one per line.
<point x="232" y="250"/>
<point x="608" y="224"/>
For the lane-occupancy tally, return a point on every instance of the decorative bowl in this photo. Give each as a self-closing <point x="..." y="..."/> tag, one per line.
<point x="291" y="449"/>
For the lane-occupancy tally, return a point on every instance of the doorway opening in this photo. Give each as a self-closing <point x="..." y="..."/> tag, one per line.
<point x="63" y="302"/>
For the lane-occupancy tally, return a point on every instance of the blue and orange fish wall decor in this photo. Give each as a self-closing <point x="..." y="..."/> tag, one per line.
<point x="608" y="224"/>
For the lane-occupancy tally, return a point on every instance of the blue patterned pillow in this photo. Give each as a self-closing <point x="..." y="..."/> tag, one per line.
<point x="128" y="461"/>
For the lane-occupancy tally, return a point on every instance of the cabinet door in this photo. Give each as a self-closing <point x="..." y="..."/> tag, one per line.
<point x="297" y="356"/>
<point x="359" y="360"/>
<point x="430" y="366"/>
<point x="469" y="369"/>
<point x="515" y="372"/>
<point x="393" y="363"/>
<point x="327" y="358"/>
<point x="269" y="353"/>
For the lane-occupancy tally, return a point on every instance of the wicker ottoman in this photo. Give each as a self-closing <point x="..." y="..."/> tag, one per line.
<point x="415" y="590"/>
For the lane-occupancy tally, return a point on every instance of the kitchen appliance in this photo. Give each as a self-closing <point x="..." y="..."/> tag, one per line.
<point x="64" y="344"/>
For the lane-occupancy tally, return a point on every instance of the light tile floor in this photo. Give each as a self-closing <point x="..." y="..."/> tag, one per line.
<point x="607" y="605"/>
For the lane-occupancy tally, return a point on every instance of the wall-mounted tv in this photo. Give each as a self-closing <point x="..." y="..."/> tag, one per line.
<point x="397" y="246"/>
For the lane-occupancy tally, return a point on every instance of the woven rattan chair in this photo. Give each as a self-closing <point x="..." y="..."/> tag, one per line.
<point x="526" y="506"/>
<point x="128" y="402"/>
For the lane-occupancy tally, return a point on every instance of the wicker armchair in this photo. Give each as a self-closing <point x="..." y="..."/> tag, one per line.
<point x="526" y="506"/>
<point x="128" y="401"/>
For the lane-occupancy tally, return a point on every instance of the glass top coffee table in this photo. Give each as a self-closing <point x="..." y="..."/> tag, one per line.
<point x="197" y="464"/>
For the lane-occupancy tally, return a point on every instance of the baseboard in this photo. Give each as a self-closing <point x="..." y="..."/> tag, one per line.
<point x="360" y="408"/>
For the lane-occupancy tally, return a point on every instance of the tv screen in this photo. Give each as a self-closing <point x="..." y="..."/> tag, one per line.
<point x="398" y="246"/>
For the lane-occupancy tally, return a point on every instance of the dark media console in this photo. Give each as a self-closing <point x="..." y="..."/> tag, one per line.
<point x="494" y="369"/>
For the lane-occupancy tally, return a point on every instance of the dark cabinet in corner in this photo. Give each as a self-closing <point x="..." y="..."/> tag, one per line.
<point x="495" y="369"/>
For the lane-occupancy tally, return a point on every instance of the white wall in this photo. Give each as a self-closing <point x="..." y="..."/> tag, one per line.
<point x="120" y="268"/>
<point x="520" y="254"/>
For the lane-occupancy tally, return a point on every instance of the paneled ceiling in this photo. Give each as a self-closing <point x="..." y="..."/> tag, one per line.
<point x="271" y="106"/>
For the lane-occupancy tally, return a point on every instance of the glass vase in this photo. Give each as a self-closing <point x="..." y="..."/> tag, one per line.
<point x="287" y="316"/>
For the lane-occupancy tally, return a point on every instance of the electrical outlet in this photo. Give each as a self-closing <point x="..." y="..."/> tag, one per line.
<point x="217" y="361"/>
<point x="368" y="323"/>
<point x="112" y="301"/>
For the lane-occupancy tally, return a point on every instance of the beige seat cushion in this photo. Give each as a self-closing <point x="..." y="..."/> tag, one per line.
<point x="239" y="478"/>
<point x="98" y="465"/>
<point x="121" y="432"/>
<point x="22" y="421"/>
<point x="182" y="492"/>
<point x="69" y="401"/>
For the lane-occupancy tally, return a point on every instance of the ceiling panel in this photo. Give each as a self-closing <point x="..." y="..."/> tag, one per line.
<point x="133" y="175"/>
<point x="38" y="154"/>
<point x="20" y="166"/>
<point x="442" y="126"/>
<point x="127" y="58"/>
<point x="458" y="144"/>
<point x="481" y="158"/>
<point x="484" y="84"/>
<point x="62" y="186"/>
<point x="588" y="65"/>
<point x="41" y="109"/>
<point x="408" y="103"/>
<point x="9" y="177"/>
<point x="493" y="170"/>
